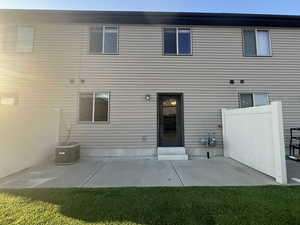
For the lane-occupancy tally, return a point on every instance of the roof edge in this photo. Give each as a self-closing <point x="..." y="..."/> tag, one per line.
<point x="148" y="17"/>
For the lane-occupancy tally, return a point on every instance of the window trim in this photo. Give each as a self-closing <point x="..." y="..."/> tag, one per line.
<point x="177" y="42"/>
<point x="93" y="113"/>
<point x="253" y="99"/>
<point x="103" y="40"/>
<point x="256" y="30"/>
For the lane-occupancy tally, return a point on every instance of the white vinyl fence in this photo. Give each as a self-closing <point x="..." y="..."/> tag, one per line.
<point x="254" y="136"/>
<point x="27" y="137"/>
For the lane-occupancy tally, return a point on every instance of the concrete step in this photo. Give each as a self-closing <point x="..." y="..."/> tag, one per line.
<point x="172" y="157"/>
<point x="171" y="151"/>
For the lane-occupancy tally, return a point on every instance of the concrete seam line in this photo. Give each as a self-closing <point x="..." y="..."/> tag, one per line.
<point x="175" y="170"/>
<point x="92" y="174"/>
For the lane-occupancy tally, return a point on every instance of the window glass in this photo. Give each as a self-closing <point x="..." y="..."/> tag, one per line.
<point x="246" y="100"/>
<point x="170" y="41"/>
<point x="9" y="39"/>
<point x="253" y="99"/>
<point x="86" y="107"/>
<point x="8" y="99"/>
<point x="260" y="99"/>
<point x="96" y="39"/>
<point x="111" y="40"/>
<point x="249" y="43"/>
<point x="90" y="112"/>
<point x="184" y="41"/>
<point x="25" y="37"/>
<point x="101" y="106"/>
<point x="263" y="43"/>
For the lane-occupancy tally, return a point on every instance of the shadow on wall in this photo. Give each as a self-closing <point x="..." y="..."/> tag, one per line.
<point x="152" y="206"/>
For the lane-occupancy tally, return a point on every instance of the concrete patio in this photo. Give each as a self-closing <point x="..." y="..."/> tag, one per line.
<point x="122" y="173"/>
<point x="293" y="172"/>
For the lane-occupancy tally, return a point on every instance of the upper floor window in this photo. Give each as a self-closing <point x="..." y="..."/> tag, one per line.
<point x="94" y="107"/>
<point x="257" y="43"/>
<point x="25" y="38"/>
<point x="253" y="99"/>
<point x="177" y="41"/>
<point x="104" y="40"/>
<point x="19" y="39"/>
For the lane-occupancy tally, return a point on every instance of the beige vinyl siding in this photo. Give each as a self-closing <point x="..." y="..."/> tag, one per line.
<point x="61" y="53"/>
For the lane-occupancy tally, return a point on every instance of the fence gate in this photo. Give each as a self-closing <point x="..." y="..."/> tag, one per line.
<point x="254" y="136"/>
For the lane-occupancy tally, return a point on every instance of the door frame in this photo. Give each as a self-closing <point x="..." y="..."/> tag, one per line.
<point x="181" y="96"/>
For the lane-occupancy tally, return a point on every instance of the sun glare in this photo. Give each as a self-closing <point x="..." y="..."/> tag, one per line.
<point x="7" y="101"/>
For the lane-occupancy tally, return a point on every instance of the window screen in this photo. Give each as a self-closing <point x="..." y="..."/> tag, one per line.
<point x="263" y="43"/>
<point x="86" y="107"/>
<point x="177" y="41"/>
<point x="184" y="41"/>
<point x="260" y="99"/>
<point x="253" y="99"/>
<point x="110" y="43"/>
<point x="256" y="43"/>
<point x="101" y="106"/>
<point x="96" y="39"/>
<point x="170" y="46"/>
<point x="246" y="100"/>
<point x="94" y="106"/>
<point x="9" y="39"/>
<point x="111" y="40"/>
<point x="249" y="43"/>
<point x="24" y="39"/>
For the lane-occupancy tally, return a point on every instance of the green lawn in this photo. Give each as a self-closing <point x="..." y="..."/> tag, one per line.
<point x="159" y="206"/>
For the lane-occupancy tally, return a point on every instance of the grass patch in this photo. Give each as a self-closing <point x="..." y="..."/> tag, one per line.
<point x="152" y="206"/>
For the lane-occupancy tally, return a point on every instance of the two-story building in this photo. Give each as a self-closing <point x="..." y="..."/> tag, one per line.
<point x="130" y="82"/>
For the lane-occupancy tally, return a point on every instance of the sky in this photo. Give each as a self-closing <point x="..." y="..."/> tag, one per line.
<point x="290" y="7"/>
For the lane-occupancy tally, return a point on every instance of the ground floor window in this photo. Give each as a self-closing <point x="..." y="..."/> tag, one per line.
<point x="253" y="99"/>
<point x="8" y="99"/>
<point x="94" y="107"/>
